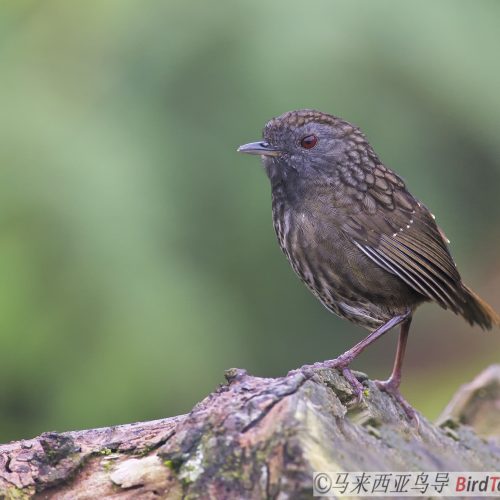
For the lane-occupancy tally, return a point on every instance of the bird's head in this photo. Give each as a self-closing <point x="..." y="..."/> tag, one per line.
<point x="306" y="144"/>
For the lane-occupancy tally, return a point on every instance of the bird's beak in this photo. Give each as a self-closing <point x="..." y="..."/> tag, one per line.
<point x="259" y="148"/>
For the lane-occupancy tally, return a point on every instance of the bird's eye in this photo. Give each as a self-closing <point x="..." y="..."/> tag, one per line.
<point x="309" y="141"/>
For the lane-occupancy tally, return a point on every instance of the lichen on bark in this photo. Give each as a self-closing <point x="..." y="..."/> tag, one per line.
<point x="258" y="438"/>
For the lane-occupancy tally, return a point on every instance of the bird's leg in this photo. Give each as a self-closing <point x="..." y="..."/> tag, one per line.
<point x="394" y="380"/>
<point x="344" y="360"/>
<point x="391" y="385"/>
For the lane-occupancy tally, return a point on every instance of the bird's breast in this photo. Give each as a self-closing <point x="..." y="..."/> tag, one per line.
<point x="306" y="240"/>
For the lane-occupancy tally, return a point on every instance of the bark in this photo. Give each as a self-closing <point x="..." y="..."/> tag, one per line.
<point x="258" y="438"/>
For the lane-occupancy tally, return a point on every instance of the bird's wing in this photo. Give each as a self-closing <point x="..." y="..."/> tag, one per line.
<point x="399" y="233"/>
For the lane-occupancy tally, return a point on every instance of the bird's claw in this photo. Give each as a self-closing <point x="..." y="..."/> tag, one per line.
<point x="307" y="370"/>
<point x="390" y="388"/>
<point x="310" y="370"/>
<point x="356" y="385"/>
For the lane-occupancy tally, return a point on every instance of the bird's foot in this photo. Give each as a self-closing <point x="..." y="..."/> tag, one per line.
<point x="340" y="364"/>
<point x="392" y="388"/>
<point x="308" y="371"/>
<point x="356" y="385"/>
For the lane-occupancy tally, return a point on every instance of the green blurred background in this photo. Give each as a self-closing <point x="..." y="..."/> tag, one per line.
<point x="137" y="255"/>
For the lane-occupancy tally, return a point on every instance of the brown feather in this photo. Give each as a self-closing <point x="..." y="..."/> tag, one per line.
<point x="403" y="238"/>
<point x="479" y="311"/>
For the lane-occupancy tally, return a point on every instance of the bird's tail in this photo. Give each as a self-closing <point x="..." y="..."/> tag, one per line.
<point x="477" y="311"/>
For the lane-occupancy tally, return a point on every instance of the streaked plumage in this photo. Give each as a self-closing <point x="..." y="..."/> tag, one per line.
<point x="353" y="233"/>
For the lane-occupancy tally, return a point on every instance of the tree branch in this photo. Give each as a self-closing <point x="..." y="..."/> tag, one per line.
<point x="257" y="438"/>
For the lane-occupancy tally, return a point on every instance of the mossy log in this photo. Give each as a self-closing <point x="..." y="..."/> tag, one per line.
<point x="258" y="438"/>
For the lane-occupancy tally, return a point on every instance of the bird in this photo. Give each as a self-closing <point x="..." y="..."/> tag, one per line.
<point x="360" y="241"/>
